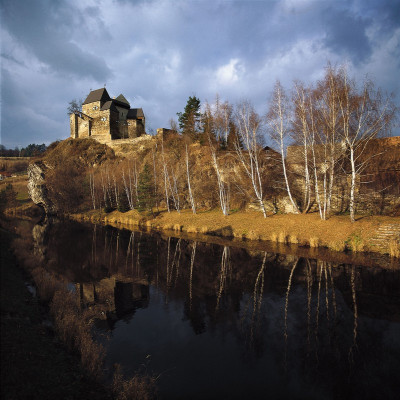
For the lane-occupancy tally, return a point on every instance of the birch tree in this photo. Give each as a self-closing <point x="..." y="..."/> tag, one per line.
<point x="92" y="189"/>
<point x="278" y="119"/>
<point x="191" y="198"/>
<point x="223" y="187"/>
<point x="128" y="190"/>
<point x="364" y="114"/>
<point x="166" y="177"/>
<point x="301" y="126"/>
<point x="249" y="123"/>
<point x="328" y="125"/>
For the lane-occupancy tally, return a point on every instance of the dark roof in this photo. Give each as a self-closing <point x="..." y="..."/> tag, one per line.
<point x="109" y="105"/>
<point x="97" y="95"/>
<point x="120" y="104"/>
<point x="121" y="99"/>
<point x="135" y="113"/>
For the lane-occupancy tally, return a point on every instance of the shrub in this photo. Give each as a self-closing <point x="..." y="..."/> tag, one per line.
<point x="355" y="242"/>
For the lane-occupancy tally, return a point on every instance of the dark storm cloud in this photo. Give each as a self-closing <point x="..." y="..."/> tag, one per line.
<point x="159" y="52"/>
<point x="45" y="28"/>
<point x="346" y="34"/>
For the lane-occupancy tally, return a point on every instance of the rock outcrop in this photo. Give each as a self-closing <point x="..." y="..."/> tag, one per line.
<point x="37" y="187"/>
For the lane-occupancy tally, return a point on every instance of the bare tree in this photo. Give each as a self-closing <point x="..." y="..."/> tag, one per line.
<point x="223" y="188"/>
<point x="174" y="190"/>
<point x="153" y="151"/>
<point x="249" y="123"/>
<point x="92" y="189"/>
<point x="328" y="125"/>
<point x="191" y="198"/>
<point x="302" y="132"/>
<point x="166" y="177"/>
<point x="128" y="190"/>
<point x="364" y="115"/>
<point x="278" y="119"/>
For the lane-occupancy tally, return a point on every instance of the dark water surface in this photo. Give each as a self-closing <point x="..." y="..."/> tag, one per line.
<point x="227" y="322"/>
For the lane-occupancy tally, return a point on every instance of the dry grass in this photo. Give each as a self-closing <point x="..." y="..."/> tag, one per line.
<point x="71" y="324"/>
<point x="75" y="331"/>
<point x="192" y="229"/>
<point x="293" y="239"/>
<point x="337" y="246"/>
<point x="177" y="227"/>
<point x="140" y="387"/>
<point x="283" y="237"/>
<point x="332" y="233"/>
<point x="252" y="235"/>
<point x="47" y="284"/>
<point x="274" y="237"/>
<point x="394" y="248"/>
<point x="204" y="229"/>
<point x="315" y="242"/>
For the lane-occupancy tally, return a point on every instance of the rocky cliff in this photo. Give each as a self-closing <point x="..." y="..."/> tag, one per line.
<point x="37" y="187"/>
<point x="52" y="176"/>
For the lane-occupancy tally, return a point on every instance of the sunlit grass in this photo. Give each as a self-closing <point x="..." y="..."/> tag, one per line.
<point x="394" y="247"/>
<point x="336" y="233"/>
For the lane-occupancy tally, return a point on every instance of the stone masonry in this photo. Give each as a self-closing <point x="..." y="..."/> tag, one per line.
<point x="106" y="119"/>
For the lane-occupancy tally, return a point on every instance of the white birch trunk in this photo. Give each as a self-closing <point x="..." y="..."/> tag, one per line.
<point x="191" y="198"/>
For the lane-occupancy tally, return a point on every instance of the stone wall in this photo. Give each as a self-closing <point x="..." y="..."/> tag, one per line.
<point x="92" y="109"/>
<point x="105" y="125"/>
<point x="113" y="126"/>
<point x="135" y="128"/>
<point x="80" y="125"/>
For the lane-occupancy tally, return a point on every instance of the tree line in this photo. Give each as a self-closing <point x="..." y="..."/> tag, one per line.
<point x="31" y="150"/>
<point x="215" y="155"/>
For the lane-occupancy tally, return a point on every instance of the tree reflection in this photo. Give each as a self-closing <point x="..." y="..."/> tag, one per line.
<point x="299" y="311"/>
<point x="225" y="268"/>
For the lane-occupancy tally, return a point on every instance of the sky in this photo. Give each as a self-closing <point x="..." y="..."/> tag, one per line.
<point x="157" y="53"/>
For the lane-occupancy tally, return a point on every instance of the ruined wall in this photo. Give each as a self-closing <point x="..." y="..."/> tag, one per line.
<point x="80" y="125"/>
<point x="73" y="122"/>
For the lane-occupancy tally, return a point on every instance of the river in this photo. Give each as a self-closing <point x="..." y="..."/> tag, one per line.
<point x="219" y="320"/>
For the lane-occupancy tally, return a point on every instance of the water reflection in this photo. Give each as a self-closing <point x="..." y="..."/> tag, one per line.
<point x="230" y="322"/>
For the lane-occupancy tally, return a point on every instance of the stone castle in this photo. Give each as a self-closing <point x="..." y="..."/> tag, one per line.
<point x="106" y="119"/>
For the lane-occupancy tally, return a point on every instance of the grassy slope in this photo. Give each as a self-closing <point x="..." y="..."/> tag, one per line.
<point x="33" y="363"/>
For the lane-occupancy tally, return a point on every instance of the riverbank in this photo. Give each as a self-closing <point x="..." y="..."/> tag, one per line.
<point x="308" y="230"/>
<point x="34" y="363"/>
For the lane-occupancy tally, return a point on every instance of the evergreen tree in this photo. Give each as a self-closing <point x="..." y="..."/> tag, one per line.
<point x="146" y="190"/>
<point x="123" y="204"/>
<point x="190" y="119"/>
